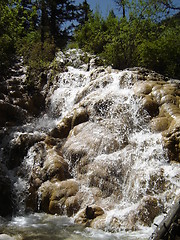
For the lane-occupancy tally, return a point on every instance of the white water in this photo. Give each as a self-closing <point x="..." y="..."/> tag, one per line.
<point x="141" y="164"/>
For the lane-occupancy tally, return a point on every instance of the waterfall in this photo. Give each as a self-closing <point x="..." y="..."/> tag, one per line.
<point x="93" y="147"/>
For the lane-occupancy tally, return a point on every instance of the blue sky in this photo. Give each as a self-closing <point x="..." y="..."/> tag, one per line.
<point x="103" y="5"/>
<point x="106" y="5"/>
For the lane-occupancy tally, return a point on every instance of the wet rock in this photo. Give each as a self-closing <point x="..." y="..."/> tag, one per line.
<point x="148" y="210"/>
<point x="99" y="172"/>
<point x="90" y="138"/>
<point x="59" y="197"/>
<point x="159" y="124"/>
<point x="72" y="205"/>
<point x="35" y="104"/>
<point x="63" y="128"/>
<point x="103" y="107"/>
<point x="171" y="138"/>
<point x="31" y="201"/>
<point x="55" y="197"/>
<point x="80" y="116"/>
<point x="142" y="88"/>
<point x="168" y="99"/>
<point x="151" y="106"/>
<point x="161" y="101"/>
<point x="169" y="110"/>
<point x="11" y="113"/>
<point x="87" y="215"/>
<point x="51" y="141"/>
<point x="17" y="149"/>
<point x="44" y="194"/>
<point x="6" y="202"/>
<point x="55" y="166"/>
<point x="49" y="165"/>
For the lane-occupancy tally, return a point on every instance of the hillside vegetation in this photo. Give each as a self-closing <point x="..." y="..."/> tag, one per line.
<point x="147" y="34"/>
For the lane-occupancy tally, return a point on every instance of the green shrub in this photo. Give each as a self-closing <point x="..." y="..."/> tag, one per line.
<point x="162" y="54"/>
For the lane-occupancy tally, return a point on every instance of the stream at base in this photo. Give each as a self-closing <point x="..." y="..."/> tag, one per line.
<point x="40" y="226"/>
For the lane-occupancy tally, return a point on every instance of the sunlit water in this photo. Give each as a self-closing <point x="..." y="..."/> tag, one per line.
<point x="47" y="227"/>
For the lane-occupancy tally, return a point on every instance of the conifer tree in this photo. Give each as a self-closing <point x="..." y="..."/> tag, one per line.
<point x="84" y="12"/>
<point x="59" y="12"/>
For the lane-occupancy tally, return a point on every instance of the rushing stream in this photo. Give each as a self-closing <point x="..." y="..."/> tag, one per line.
<point x="117" y="162"/>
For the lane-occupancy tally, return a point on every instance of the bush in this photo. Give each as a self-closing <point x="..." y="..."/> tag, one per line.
<point x="162" y="54"/>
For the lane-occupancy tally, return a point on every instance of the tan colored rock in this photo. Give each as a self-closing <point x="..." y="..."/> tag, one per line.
<point x="60" y="193"/>
<point x="151" y="106"/>
<point x="87" y="215"/>
<point x="156" y="87"/>
<point x="51" y="141"/>
<point x="80" y="116"/>
<point x="99" y="177"/>
<point x="171" y="139"/>
<point x="156" y="95"/>
<point x="87" y="139"/>
<point x="148" y="210"/>
<point x="175" y="125"/>
<point x="142" y="88"/>
<point x="99" y="222"/>
<point x="55" y="166"/>
<point x="7" y="237"/>
<point x="56" y="197"/>
<point x="168" y="99"/>
<point x="63" y="128"/>
<point x="169" y="110"/>
<point x="169" y="89"/>
<point x="159" y="124"/>
<point x="44" y="193"/>
<point x="72" y="205"/>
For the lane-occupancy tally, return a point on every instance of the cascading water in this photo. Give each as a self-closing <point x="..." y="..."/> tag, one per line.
<point x="113" y="158"/>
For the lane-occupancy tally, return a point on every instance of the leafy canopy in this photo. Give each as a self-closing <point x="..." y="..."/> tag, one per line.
<point x="148" y="37"/>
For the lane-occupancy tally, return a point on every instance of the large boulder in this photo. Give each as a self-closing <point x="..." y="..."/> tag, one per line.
<point x="63" y="128"/>
<point x="49" y="166"/>
<point x="150" y="105"/>
<point x="59" y="197"/>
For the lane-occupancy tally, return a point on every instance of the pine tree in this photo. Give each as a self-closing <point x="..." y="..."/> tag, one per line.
<point x="59" y="13"/>
<point x="84" y="12"/>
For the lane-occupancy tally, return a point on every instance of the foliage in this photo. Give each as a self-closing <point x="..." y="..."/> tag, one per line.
<point x="36" y="54"/>
<point x="84" y="12"/>
<point x="33" y="28"/>
<point x="134" y="41"/>
<point x="7" y="36"/>
<point x="163" y="53"/>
